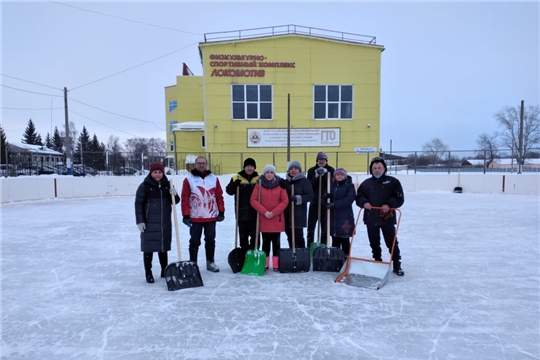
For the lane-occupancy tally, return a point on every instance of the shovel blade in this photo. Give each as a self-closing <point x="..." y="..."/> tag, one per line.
<point x="328" y="259"/>
<point x="237" y="258"/>
<point x="182" y="275"/>
<point x="366" y="273"/>
<point x="255" y="263"/>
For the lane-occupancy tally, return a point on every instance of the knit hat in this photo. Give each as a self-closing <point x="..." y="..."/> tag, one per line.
<point x="321" y="156"/>
<point x="269" y="167"/>
<point x="157" y="166"/>
<point x="377" y="160"/>
<point x="250" y="161"/>
<point x="340" y="170"/>
<point x="294" y="164"/>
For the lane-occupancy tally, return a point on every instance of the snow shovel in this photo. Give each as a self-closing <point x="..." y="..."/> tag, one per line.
<point x="368" y="273"/>
<point x="314" y="245"/>
<point x="255" y="259"/>
<point x="328" y="258"/>
<point x="293" y="260"/>
<point x="181" y="274"/>
<point x="237" y="256"/>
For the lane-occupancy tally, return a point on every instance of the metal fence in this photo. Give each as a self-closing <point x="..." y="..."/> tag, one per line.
<point x="410" y="162"/>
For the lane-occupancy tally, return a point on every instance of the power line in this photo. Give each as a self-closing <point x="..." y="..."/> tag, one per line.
<point x="86" y="117"/>
<point x="31" y="82"/>
<point x="12" y="108"/>
<point x="31" y="92"/>
<point x="113" y="113"/>
<point x="125" y="19"/>
<point x="134" y="67"/>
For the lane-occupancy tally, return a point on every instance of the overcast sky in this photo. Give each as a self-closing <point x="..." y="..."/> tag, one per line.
<point x="446" y="68"/>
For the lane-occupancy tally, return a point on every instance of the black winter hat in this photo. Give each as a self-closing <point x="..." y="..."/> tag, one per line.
<point x="250" y="161"/>
<point x="377" y="159"/>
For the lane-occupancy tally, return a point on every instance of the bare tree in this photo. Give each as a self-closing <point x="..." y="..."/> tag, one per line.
<point x="72" y="135"/>
<point x="488" y="145"/>
<point x="509" y="119"/>
<point x="435" y="149"/>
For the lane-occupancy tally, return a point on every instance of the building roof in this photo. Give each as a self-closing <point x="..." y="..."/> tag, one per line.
<point x="273" y="31"/>
<point x="40" y="149"/>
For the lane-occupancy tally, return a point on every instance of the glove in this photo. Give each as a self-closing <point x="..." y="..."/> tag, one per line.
<point x="173" y="191"/>
<point x="187" y="220"/>
<point x="327" y="196"/>
<point x="282" y="184"/>
<point x="386" y="216"/>
<point x="141" y="227"/>
<point x="221" y="216"/>
<point x="295" y="199"/>
<point x="329" y="206"/>
<point x="237" y="182"/>
<point x="320" y="171"/>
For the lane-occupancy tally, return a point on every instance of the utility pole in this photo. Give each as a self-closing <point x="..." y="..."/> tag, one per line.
<point x="520" y="149"/>
<point x="288" y="129"/>
<point x="67" y="141"/>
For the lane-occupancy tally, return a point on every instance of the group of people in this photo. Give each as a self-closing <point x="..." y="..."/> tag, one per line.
<point x="271" y="203"/>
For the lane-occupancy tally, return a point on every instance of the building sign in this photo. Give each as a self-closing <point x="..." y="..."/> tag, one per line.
<point x="232" y="65"/>
<point x="299" y="137"/>
<point x="365" y="150"/>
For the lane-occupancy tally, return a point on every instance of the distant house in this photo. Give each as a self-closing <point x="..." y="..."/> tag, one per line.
<point x="35" y="155"/>
<point x="503" y="163"/>
<point x="473" y="162"/>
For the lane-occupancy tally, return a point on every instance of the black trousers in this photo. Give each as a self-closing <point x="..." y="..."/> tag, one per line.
<point x="299" y="241"/>
<point x="247" y="231"/>
<point x="271" y="240"/>
<point x="312" y="223"/>
<point x="196" y="231"/>
<point x="374" y="235"/>
<point x="147" y="259"/>
<point x="342" y="243"/>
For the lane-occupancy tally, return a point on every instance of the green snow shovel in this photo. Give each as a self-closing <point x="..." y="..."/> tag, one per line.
<point x="255" y="259"/>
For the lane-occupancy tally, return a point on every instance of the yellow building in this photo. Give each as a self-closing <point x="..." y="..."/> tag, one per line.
<point x="278" y="94"/>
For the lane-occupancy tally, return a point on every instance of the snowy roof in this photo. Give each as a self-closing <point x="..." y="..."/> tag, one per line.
<point x="41" y="149"/>
<point x="189" y="126"/>
<point x="513" y="161"/>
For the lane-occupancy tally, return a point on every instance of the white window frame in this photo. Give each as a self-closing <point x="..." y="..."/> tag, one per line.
<point x="258" y="102"/>
<point x="338" y="102"/>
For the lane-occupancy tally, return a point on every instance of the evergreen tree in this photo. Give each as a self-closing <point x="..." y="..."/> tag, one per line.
<point x="48" y="141"/>
<point x="30" y="135"/>
<point x="96" y="154"/>
<point x="82" y="146"/>
<point x="39" y="141"/>
<point x="4" y="146"/>
<point x="57" y="143"/>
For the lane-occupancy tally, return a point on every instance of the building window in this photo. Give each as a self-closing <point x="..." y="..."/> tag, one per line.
<point x="332" y="102"/>
<point x="172" y="105"/>
<point x="171" y="146"/>
<point x="203" y="141"/>
<point x="252" y="102"/>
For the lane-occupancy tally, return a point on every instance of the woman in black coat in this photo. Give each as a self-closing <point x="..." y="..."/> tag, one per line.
<point x="303" y="193"/>
<point x="342" y="196"/>
<point x="153" y="217"/>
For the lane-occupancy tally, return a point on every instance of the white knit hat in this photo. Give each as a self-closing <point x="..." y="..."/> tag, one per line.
<point x="269" y="167"/>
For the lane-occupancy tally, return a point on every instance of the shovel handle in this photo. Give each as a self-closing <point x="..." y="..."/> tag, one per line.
<point x="173" y="201"/>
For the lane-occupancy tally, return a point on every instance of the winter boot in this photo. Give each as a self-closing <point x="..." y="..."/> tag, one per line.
<point x="193" y="253"/>
<point x="275" y="263"/>
<point x="149" y="277"/>
<point x="397" y="268"/>
<point x="211" y="266"/>
<point x="267" y="263"/>
<point x="163" y="259"/>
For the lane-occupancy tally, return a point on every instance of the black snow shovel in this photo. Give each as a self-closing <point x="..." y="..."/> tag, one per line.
<point x="294" y="260"/>
<point x="237" y="256"/>
<point x="181" y="274"/>
<point x="326" y="258"/>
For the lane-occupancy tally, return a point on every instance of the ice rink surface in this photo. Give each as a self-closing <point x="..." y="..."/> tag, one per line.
<point x="73" y="287"/>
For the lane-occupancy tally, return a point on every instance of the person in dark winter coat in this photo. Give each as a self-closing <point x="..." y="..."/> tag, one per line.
<point x="153" y="217"/>
<point x="270" y="205"/>
<point x="386" y="192"/>
<point x="342" y="196"/>
<point x="300" y="192"/>
<point x="318" y="175"/>
<point x="245" y="181"/>
<point x="202" y="206"/>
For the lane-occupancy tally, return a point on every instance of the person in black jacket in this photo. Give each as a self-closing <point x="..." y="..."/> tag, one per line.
<point x="318" y="175"/>
<point x="342" y="196"/>
<point x="300" y="196"/>
<point x="245" y="181"/>
<point x="153" y="217"/>
<point x="386" y="192"/>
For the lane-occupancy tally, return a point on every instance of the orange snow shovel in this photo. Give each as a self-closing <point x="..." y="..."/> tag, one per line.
<point x="181" y="274"/>
<point x="363" y="272"/>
